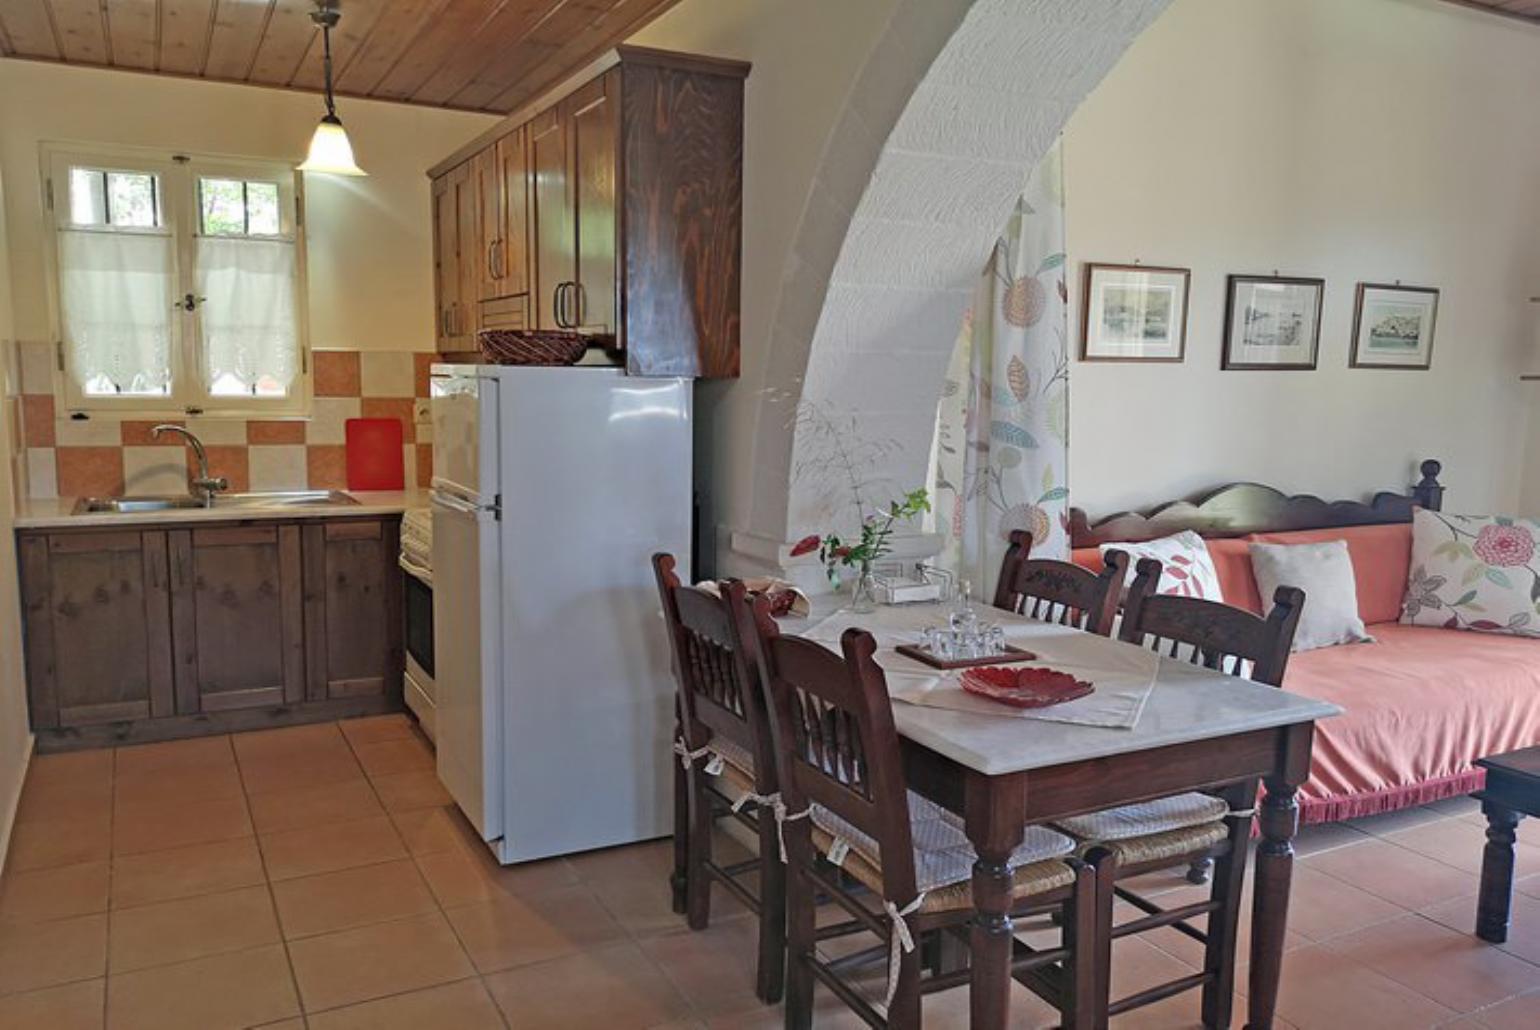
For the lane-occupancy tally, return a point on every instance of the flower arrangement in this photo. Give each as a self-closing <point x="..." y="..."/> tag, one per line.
<point x="874" y="542"/>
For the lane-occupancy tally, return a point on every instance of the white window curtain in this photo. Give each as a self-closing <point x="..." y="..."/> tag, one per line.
<point x="247" y="313"/>
<point x="1002" y="429"/>
<point x="116" y="293"/>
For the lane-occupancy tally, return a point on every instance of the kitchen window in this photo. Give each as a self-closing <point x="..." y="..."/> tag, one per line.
<point x="179" y="284"/>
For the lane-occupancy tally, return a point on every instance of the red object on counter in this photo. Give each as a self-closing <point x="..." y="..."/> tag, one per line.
<point x="375" y="456"/>
<point x="1025" y="688"/>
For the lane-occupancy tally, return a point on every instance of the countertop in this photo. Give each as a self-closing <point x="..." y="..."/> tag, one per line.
<point x="55" y="512"/>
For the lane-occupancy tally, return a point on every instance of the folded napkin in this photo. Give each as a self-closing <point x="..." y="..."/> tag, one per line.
<point x="785" y="598"/>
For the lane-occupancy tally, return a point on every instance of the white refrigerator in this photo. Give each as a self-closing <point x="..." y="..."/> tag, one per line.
<point x="552" y="488"/>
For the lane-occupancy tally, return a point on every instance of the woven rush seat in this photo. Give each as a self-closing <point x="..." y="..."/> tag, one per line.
<point x="943" y="857"/>
<point x="1163" y="815"/>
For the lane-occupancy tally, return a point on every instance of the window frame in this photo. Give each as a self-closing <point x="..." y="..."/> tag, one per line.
<point x="182" y="221"/>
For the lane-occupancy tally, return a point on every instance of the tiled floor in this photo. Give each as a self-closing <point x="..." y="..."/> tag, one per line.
<point x="316" y="877"/>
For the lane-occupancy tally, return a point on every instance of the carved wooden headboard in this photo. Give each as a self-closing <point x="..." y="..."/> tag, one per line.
<point x="1241" y="508"/>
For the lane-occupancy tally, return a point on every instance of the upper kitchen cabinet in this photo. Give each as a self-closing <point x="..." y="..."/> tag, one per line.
<point x="630" y="191"/>
<point x="456" y="267"/>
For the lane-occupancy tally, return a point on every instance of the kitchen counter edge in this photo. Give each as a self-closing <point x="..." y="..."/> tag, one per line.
<point x="55" y="512"/>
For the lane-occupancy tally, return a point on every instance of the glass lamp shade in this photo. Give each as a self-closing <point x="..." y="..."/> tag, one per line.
<point x="330" y="151"/>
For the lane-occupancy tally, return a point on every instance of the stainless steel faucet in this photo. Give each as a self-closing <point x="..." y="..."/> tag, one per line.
<point x="203" y="485"/>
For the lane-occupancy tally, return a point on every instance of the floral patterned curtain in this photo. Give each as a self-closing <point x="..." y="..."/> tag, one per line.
<point x="1003" y="426"/>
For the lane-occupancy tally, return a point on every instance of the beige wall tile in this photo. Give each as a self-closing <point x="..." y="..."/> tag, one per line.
<point x="37" y="367"/>
<point x="328" y="418"/>
<point x="387" y="373"/>
<point x="42" y="472"/>
<point x="154" y="470"/>
<point x="277" y="468"/>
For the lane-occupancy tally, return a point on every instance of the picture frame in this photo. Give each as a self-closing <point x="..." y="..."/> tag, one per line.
<point x="1272" y="322"/>
<point x="1134" y="313"/>
<point x="1394" y="326"/>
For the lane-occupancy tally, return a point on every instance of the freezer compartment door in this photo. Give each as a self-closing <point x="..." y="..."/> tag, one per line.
<point x="465" y="435"/>
<point x="467" y="645"/>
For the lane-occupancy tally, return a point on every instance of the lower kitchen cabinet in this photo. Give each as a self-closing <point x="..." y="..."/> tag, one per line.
<point x="156" y="632"/>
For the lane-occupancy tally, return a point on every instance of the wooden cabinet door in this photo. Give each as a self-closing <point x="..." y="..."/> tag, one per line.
<point x="98" y="641"/>
<point x="512" y="258"/>
<point x="487" y="191"/>
<point x="554" y="254"/>
<point x="593" y="128"/>
<point x="455" y="257"/>
<point x="237" y="617"/>
<point x="352" y="609"/>
<point x="446" y="259"/>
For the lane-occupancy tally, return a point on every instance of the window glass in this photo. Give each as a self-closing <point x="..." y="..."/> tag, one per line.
<point x="237" y="207"/>
<point x="120" y="200"/>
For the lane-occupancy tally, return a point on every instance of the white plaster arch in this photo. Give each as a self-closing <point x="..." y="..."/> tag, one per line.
<point x="956" y="103"/>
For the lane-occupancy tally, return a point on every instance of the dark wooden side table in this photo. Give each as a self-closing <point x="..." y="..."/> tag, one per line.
<point x="1512" y="792"/>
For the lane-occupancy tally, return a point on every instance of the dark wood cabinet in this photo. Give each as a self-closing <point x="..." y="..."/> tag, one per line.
<point x="456" y="264"/>
<point x="501" y="174"/>
<point x="148" y="633"/>
<point x="633" y="187"/>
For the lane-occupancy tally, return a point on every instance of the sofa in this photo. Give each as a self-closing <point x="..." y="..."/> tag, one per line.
<point x="1420" y="704"/>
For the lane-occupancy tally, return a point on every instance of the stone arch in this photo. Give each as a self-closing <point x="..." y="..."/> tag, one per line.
<point x="956" y="103"/>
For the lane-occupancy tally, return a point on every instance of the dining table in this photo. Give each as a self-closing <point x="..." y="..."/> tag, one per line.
<point x="1194" y="729"/>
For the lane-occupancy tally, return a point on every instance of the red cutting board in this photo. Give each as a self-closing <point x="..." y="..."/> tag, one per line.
<point x="375" y="454"/>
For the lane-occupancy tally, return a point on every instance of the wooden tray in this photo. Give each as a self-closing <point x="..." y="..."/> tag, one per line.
<point x="919" y="654"/>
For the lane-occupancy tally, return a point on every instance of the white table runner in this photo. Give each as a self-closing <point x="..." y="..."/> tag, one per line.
<point x="1123" y="675"/>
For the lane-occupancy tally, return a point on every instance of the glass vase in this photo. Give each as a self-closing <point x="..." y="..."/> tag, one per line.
<point x="863" y="592"/>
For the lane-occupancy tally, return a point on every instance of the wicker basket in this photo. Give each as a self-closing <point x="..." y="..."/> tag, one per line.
<point x="531" y="347"/>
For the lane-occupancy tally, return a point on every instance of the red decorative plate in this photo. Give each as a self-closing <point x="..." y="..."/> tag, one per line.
<point x="1025" y="688"/>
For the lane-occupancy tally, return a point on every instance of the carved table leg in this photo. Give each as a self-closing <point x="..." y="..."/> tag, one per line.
<point x="994" y="808"/>
<point x="1279" y="819"/>
<point x="1496" y="896"/>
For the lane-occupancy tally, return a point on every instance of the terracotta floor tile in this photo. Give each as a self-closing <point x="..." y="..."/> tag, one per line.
<point x="158" y="827"/>
<point x="165" y="786"/>
<point x="632" y="883"/>
<point x="462" y="1005"/>
<point x="352" y="897"/>
<point x="1397" y="821"/>
<point x="314" y="806"/>
<point x="186" y="872"/>
<point x="374" y="728"/>
<point x="1458" y="843"/>
<point x="713" y="968"/>
<point x="1456" y="970"/>
<point x="1523" y="927"/>
<point x="76" y="1006"/>
<point x="312" y="740"/>
<point x="607" y="987"/>
<point x="238" y="989"/>
<point x="53" y="893"/>
<point x="1312" y="840"/>
<point x="69" y="802"/>
<point x="344" y="968"/>
<point x="50" y="843"/>
<point x="405" y="754"/>
<point x="402" y="792"/>
<point x="45" y="954"/>
<point x="325" y="849"/>
<point x="461" y="876"/>
<point x="189" y="928"/>
<point x="428" y="830"/>
<point x="73" y="768"/>
<point x="515" y="931"/>
<point x="1522" y="1013"/>
<point x="195" y="753"/>
<point x="1399" y="876"/>
<point x="1325" y="990"/>
<point x="302" y="770"/>
<point x="1321" y="906"/>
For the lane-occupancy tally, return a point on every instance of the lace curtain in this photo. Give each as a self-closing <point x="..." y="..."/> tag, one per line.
<point x="116" y="292"/>
<point x="1002" y="428"/>
<point x="247" y="315"/>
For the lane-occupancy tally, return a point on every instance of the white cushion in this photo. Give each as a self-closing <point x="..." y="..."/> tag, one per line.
<point x="1324" y="572"/>
<point x="1147" y="817"/>
<point x="732" y="753"/>
<point x="1187" y="569"/>
<point x="942" y="854"/>
<point x="1474" y="572"/>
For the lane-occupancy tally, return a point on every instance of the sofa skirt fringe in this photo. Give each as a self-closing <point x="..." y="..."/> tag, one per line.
<point x="1356" y="806"/>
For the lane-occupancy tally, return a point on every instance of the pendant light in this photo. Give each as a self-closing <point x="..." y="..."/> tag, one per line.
<point x="330" y="151"/>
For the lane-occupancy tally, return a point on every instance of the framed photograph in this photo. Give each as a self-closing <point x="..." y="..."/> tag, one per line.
<point x="1272" y="322"/>
<point x="1393" y="326"/>
<point x="1134" y="313"/>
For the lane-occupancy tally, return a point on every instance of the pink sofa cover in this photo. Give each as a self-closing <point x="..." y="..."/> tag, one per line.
<point x="1419" y="705"/>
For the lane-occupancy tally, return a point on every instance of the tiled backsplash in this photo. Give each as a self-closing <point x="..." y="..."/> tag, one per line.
<point x="103" y="455"/>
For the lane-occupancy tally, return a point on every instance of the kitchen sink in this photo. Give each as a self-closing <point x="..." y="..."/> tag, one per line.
<point x="261" y="499"/>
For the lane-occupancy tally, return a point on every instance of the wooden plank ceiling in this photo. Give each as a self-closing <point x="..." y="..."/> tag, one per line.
<point x="475" y="55"/>
<point x="1526" y="10"/>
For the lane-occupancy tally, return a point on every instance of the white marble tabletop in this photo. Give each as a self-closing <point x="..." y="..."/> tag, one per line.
<point x="58" y="512"/>
<point x="1186" y="704"/>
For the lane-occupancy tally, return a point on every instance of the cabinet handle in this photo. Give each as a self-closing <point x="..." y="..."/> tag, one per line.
<point x="577" y="304"/>
<point x="556" y="311"/>
<point x="492" y="260"/>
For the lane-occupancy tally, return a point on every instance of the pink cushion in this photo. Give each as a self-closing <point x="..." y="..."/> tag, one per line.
<point x="1420" y="705"/>
<point x="1232" y="561"/>
<point x="1381" y="556"/>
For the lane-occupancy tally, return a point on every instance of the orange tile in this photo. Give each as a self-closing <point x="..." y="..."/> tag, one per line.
<point x="384" y="757"/>
<point x="163" y="786"/>
<point x="403" y="791"/>
<point x="374" y="961"/>
<point x="259" y="431"/>
<point x="464" y="1005"/>
<point x="424" y="465"/>
<point x="76" y="1006"/>
<point x="239" y="989"/>
<point x="89" y="471"/>
<point x="194" y="755"/>
<point x="1396" y="874"/>
<point x="37" y="415"/>
<point x="54" y="893"/>
<point x="1324" y="988"/>
<point x="324" y="849"/>
<point x="186" y="872"/>
<point x="314" y="806"/>
<point x="305" y="769"/>
<point x="311" y="740"/>
<point x="137" y="434"/>
<point x="612" y="986"/>
<point x="229" y="460"/>
<point x="373" y="728"/>
<point x="329" y="902"/>
<point x="48" y="843"/>
<point x="398" y="408"/>
<point x="431" y="830"/>
<point x="337" y="374"/>
<point x="189" y="928"/>
<point x="1522" y="1013"/>
<point x="141" y="828"/>
<point x="422" y="368"/>
<point x="512" y="931"/>
<point x="467" y="875"/>
<point x="56" y="952"/>
<point x="326" y="466"/>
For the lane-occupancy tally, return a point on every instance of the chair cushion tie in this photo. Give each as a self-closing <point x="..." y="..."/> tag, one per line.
<point x="900" y="940"/>
<point x="688" y="757"/>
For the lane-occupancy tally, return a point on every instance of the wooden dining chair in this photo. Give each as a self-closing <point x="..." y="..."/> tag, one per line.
<point x="851" y="822"/>
<point x="1194" y="829"/>
<point x="726" y="761"/>
<point x="1060" y="591"/>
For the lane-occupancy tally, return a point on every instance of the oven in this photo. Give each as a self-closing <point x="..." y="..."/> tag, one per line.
<point x="417" y="607"/>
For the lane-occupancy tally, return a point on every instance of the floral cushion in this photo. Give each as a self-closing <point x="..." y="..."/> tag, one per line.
<point x="1479" y="572"/>
<point x="1187" y="568"/>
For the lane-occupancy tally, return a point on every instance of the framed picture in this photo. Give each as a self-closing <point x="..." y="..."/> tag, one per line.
<point x="1393" y="326"/>
<point x="1134" y="313"/>
<point x="1272" y="322"/>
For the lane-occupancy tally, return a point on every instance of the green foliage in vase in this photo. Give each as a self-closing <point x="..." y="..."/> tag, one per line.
<point x="874" y="541"/>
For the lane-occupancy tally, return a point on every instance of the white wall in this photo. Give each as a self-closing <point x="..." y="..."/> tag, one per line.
<point x="1366" y="140"/>
<point x="369" y="240"/>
